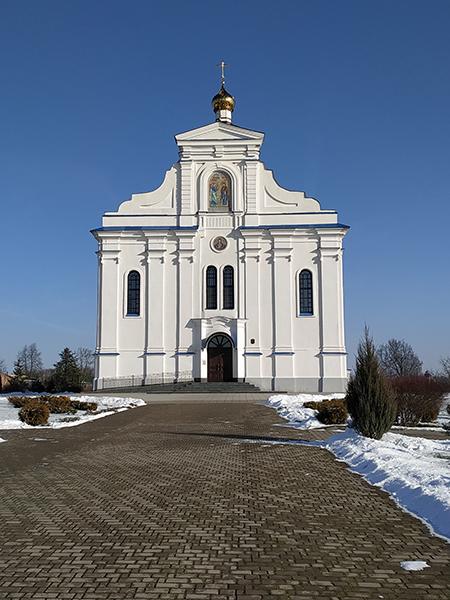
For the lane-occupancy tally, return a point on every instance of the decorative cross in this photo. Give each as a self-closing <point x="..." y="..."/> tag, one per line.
<point x="222" y="65"/>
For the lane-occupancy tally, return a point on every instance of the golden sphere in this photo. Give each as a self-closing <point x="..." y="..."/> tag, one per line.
<point x="223" y="101"/>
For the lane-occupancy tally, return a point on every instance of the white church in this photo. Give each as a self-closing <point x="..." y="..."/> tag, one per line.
<point x="220" y="274"/>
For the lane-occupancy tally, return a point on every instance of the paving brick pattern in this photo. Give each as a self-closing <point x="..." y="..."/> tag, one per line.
<point x="170" y="501"/>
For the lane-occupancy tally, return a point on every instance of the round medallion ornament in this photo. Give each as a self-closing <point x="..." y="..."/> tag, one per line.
<point x="219" y="243"/>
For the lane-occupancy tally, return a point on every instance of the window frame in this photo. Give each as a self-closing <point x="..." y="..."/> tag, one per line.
<point x="136" y="290"/>
<point x="226" y="269"/>
<point x="208" y="287"/>
<point x="301" y="291"/>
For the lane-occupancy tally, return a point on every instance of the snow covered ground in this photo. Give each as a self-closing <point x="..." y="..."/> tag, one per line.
<point x="415" y="471"/>
<point x="106" y="405"/>
<point x="444" y="416"/>
<point x="291" y="408"/>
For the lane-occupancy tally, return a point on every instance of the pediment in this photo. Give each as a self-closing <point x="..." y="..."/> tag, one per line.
<point x="220" y="131"/>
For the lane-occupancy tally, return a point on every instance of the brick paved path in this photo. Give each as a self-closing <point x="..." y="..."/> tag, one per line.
<point x="168" y="501"/>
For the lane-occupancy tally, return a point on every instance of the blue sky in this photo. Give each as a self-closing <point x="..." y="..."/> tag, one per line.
<point x="354" y="99"/>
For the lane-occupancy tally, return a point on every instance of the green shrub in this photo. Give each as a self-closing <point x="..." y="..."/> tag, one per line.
<point x="88" y="406"/>
<point x="419" y="399"/>
<point x="59" y="404"/>
<point x="370" y="399"/>
<point x="18" y="401"/>
<point x="34" y="412"/>
<point x="332" y="412"/>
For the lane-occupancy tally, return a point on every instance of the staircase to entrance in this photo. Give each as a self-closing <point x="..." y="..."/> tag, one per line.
<point x="192" y="387"/>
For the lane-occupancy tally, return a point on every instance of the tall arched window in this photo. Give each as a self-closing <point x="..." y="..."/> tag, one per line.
<point x="219" y="192"/>
<point x="305" y="293"/>
<point x="211" y="287"/>
<point x="228" y="287"/>
<point x="134" y="294"/>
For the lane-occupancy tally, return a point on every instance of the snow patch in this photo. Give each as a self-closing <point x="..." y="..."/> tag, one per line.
<point x="291" y="408"/>
<point x="106" y="405"/>
<point x="414" y="565"/>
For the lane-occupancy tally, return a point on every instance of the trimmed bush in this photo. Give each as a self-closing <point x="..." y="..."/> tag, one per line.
<point x="19" y="401"/>
<point x="88" y="406"/>
<point x="312" y="404"/>
<point x="34" y="412"/>
<point x="59" y="404"/>
<point x="419" y="399"/>
<point x="370" y="399"/>
<point x="332" y="412"/>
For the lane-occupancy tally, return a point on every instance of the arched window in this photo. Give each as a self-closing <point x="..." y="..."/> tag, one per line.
<point x="219" y="192"/>
<point x="228" y="287"/>
<point x="134" y="294"/>
<point x="211" y="287"/>
<point x="305" y="293"/>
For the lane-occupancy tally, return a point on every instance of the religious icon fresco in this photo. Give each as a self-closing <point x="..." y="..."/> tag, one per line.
<point x="219" y="191"/>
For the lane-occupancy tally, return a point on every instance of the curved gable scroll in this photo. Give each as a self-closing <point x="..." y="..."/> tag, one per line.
<point x="278" y="199"/>
<point x="159" y="201"/>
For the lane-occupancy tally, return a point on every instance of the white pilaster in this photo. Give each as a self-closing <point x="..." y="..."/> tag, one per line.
<point x="187" y="197"/>
<point x="283" y="352"/>
<point x="155" y="351"/>
<point x="109" y="310"/>
<point x="251" y="185"/>
<point x="332" y="344"/>
<point x="252" y="351"/>
<point x="185" y="287"/>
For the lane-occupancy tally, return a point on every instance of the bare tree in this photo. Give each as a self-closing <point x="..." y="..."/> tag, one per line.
<point x="398" y="359"/>
<point x="85" y="362"/>
<point x="2" y="366"/>
<point x="34" y="360"/>
<point x="31" y="361"/>
<point x="445" y="364"/>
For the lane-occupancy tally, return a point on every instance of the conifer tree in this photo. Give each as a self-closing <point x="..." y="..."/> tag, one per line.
<point x="18" y="382"/>
<point x="370" y="400"/>
<point x="67" y="375"/>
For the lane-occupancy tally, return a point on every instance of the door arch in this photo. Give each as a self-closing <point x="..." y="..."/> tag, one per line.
<point x="220" y="358"/>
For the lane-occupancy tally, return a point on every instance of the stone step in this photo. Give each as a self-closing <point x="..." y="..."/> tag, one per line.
<point x="192" y="387"/>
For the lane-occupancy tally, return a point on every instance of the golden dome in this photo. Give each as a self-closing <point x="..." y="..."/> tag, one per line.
<point x="223" y="100"/>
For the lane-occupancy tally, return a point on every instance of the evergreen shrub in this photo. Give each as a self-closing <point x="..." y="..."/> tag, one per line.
<point x="332" y="412"/>
<point x="88" y="406"/>
<point x="370" y="399"/>
<point x="34" y="412"/>
<point x="59" y="404"/>
<point x="18" y="401"/>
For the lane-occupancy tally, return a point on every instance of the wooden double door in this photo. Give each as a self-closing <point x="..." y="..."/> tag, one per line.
<point x="220" y="358"/>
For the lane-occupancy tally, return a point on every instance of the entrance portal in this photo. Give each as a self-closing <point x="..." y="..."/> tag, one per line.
<point x="220" y="358"/>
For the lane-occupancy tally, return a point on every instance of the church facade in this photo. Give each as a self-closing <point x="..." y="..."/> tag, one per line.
<point x="220" y="274"/>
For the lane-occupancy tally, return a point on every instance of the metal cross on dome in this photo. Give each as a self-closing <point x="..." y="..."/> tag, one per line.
<point x="222" y="65"/>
